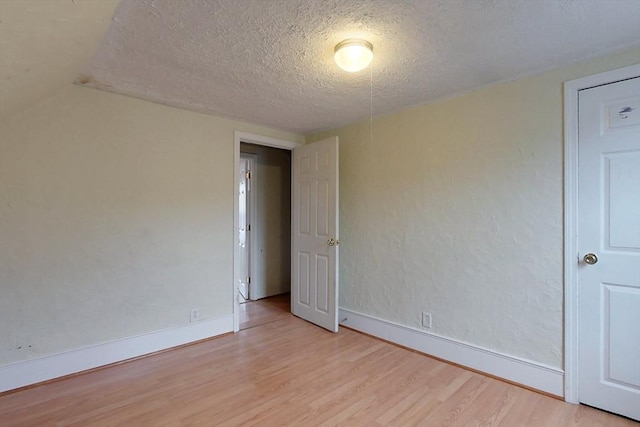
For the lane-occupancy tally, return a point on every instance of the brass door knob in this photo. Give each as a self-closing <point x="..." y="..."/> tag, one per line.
<point x="590" y="258"/>
<point x="333" y="242"/>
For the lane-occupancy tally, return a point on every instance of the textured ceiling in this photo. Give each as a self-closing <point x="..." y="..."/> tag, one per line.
<point x="44" y="44"/>
<point x="270" y="61"/>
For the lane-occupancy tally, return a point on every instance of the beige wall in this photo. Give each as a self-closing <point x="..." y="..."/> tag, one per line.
<point x="456" y="208"/>
<point x="116" y="217"/>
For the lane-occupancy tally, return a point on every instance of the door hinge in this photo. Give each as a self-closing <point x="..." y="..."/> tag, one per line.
<point x="248" y="227"/>
<point x="247" y="174"/>
<point x="249" y="280"/>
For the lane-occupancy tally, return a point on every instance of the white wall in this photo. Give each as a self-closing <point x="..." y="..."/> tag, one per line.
<point x="272" y="232"/>
<point x="456" y="208"/>
<point x="116" y="217"/>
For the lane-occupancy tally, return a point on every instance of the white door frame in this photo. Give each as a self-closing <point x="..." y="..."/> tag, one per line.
<point x="249" y="138"/>
<point x="251" y="215"/>
<point x="571" y="256"/>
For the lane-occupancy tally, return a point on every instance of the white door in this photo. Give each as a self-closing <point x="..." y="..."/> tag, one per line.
<point x="314" y="263"/>
<point x="244" y="239"/>
<point x="609" y="247"/>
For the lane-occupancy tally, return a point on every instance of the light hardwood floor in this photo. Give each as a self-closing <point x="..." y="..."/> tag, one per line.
<point x="289" y="372"/>
<point x="256" y="313"/>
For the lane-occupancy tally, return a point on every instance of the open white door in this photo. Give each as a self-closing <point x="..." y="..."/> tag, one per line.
<point x="609" y="247"/>
<point x="314" y="233"/>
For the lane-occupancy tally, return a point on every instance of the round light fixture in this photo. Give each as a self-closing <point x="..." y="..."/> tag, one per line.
<point x="353" y="54"/>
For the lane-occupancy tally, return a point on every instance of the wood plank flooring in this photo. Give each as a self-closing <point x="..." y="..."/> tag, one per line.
<point x="256" y="313"/>
<point x="289" y="372"/>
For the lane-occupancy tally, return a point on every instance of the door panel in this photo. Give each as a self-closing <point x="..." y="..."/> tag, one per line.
<point x="622" y="214"/>
<point x="621" y="307"/>
<point x="304" y="205"/>
<point x="314" y="291"/>
<point x="304" y="279"/>
<point x="609" y="227"/>
<point x="324" y="216"/>
<point x="323" y="283"/>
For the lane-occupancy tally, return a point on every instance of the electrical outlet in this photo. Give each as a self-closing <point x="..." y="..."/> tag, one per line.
<point x="195" y="315"/>
<point x="426" y="320"/>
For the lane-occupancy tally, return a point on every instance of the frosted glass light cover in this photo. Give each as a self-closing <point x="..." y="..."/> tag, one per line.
<point x="353" y="55"/>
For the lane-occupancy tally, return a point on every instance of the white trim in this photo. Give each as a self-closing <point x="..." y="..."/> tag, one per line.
<point x="45" y="368"/>
<point x="250" y="138"/>
<point x="525" y="372"/>
<point x="571" y="90"/>
<point x="266" y="141"/>
<point x="252" y="208"/>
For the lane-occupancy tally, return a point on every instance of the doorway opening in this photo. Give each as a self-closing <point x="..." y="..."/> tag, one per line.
<point x="262" y="229"/>
<point x="264" y="234"/>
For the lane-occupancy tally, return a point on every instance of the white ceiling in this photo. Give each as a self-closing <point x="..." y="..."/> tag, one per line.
<point x="270" y="61"/>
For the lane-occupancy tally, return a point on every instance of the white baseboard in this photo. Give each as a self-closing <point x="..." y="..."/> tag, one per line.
<point x="521" y="371"/>
<point x="33" y="371"/>
<point x="530" y="374"/>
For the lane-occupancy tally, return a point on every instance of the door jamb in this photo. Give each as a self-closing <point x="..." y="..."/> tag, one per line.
<point x="249" y="138"/>
<point x="571" y="91"/>
<point x="251" y="203"/>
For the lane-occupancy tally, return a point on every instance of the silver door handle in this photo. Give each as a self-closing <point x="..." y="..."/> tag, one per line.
<point x="333" y="242"/>
<point x="590" y="258"/>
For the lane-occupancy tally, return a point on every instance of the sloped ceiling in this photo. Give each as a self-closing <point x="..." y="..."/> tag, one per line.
<point x="44" y="44"/>
<point x="270" y="61"/>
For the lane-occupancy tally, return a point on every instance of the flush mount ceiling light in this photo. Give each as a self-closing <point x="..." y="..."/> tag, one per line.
<point x="353" y="54"/>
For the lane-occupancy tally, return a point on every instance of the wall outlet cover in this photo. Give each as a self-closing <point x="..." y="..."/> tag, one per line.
<point x="426" y="320"/>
